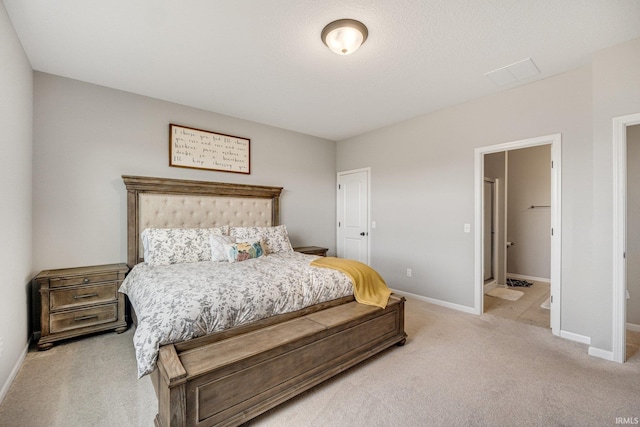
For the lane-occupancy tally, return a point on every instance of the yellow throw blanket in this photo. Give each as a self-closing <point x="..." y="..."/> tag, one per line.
<point x="368" y="287"/>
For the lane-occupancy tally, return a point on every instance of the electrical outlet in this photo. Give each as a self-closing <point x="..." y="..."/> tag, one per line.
<point x="467" y="228"/>
<point x="409" y="272"/>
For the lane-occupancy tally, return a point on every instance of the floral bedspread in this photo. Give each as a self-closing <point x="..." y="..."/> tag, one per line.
<point x="177" y="302"/>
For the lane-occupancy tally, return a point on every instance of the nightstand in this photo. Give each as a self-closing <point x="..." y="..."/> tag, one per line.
<point x="80" y="301"/>
<point x="312" y="250"/>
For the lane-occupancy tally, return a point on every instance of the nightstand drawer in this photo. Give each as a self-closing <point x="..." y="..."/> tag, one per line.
<point x="66" y="321"/>
<point x="83" y="280"/>
<point x="80" y="300"/>
<point x="84" y="295"/>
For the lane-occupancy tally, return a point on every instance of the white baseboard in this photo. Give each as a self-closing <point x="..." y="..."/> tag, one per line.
<point x="14" y="372"/>
<point x="593" y="351"/>
<point x="458" y="307"/>
<point x="602" y="354"/>
<point x="488" y="287"/>
<point x="523" y="277"/>
<point x="633" y="327"/>
<point x="575" y="337"/>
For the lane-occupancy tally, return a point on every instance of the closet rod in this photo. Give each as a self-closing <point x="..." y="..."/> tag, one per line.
<point x="539" y="206"/>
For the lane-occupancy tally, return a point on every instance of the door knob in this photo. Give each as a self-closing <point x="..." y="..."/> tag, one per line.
<point x="362" y="234"/>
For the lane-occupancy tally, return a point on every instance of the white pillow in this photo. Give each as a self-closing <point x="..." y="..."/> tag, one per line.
<point x="164" y="246"/>
<point x="218" y="250"/>
<point x="274" y="239"/>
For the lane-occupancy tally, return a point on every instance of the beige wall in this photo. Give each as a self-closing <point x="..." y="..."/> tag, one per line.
<point x="529" y="184"/>
<point x="87" y="136"/>
<point x="422" y="184"/>
<point x="616" y="92"/>
<point x="16" y="113"/>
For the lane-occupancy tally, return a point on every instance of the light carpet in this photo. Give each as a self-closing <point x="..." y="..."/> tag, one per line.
<point x="456" y="369"/>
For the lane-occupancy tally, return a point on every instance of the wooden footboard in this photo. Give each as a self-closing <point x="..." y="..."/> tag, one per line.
<point x="228" y="382"/>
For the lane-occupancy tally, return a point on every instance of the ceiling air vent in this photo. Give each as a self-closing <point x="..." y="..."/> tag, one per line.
<point x="512" y="73"/>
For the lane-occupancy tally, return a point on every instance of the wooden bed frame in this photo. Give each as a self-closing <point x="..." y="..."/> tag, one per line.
<point x="229" y="377"/>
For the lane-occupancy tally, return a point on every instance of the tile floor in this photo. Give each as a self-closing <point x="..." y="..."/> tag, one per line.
<point x="633" y="344"/>
<point x="526" y="309"/>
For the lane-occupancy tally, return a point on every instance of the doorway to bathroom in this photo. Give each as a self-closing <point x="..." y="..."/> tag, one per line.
<point x="633" y="243"/>
<point x="526" y="234"/>
<point x="626" y="228"/>
<point x="523" y="292"/>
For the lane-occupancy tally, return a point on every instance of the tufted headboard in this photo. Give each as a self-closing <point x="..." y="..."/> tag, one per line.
<point x="174" y="203"/>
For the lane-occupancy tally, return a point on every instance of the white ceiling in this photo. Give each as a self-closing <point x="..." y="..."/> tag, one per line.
<point x="263" y="60"/>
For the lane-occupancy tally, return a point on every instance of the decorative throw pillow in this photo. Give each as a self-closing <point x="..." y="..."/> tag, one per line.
<point x="164" y="246"/>
<point x="275" y="239"/>
<point x="243" y="251"/>
<point x="218" y="250"/>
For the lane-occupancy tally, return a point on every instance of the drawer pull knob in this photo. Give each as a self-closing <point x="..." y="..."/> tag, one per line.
<point x="85" y="296"/>
<point x="80" y="319"/>
<point x="86" y="280"/>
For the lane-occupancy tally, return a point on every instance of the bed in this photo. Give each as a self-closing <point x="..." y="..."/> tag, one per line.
<point x="230" y="376"/>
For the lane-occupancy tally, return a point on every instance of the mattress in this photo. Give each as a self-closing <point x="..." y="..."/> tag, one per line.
<point x="177" y="302"/>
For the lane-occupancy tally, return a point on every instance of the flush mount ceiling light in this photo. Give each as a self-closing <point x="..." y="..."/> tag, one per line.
<point x="344" y="36"/>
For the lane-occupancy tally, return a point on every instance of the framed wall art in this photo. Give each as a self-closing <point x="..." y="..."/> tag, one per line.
<point x="201" y="149"/>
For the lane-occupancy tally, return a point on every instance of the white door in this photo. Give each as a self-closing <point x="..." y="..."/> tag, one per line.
<point x="353" y="215"/>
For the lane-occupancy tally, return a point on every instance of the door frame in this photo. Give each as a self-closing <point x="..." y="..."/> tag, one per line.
<point x="339" y="174"/>
<point x="494" y="224"/>
<point x="555" y="140"/>
<point x="619" y="302"/>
